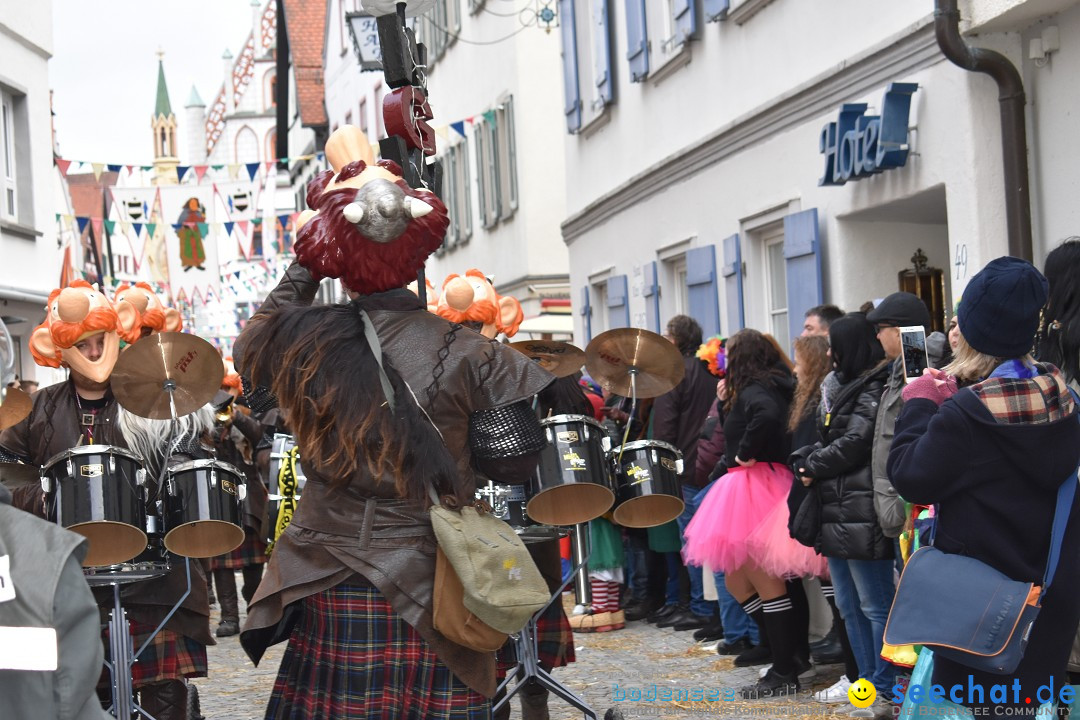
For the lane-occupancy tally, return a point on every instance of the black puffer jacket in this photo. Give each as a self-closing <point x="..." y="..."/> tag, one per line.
<point x="840" y="467"/>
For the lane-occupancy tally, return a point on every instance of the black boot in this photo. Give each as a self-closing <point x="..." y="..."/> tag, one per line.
<point x="782" y="678"/>
<point x="165" y="700"/>
<point x="760" y="654"/>
<point x="534" y="701"/>
<point x="230" y="610"/>
<point x="252" y="577"/>
<point x="711" y="632"/>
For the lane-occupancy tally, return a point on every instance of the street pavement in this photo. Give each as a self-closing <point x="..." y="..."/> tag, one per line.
<point x="609" y="665"/>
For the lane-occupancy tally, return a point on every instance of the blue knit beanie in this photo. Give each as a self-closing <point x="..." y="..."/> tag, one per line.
<point x="999" y="311"/>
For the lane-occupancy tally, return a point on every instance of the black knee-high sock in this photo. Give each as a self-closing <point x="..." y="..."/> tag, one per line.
<point x="752" y="607"/>
<point x="800" y="606"/>
<point x="779" y="619"/>
<point x="851" y="668"/>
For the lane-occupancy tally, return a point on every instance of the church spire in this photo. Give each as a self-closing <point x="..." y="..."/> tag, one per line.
<point x="162" y="106"/>
<point x="163" y="123"/>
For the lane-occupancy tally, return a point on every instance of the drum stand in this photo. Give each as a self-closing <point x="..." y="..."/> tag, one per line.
<point x="121" y="647"/>
<point x="528" y="657"/>
<point x="582" y="551"/>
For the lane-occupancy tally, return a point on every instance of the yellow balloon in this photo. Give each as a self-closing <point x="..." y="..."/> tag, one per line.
<point x="862" y="693"/>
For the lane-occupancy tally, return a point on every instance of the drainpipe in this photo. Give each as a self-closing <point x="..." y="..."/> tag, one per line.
<point x="1013" y="125"/>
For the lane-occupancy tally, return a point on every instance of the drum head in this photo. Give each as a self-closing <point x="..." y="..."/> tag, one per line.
<point x="204" y="538"/>
<point x="111" y="543"/>
<point x="570" y="504"/>
<point x="648" y="511"/>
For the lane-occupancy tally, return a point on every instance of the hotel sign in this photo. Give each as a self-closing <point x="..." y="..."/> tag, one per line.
<point x="857" y="146"/>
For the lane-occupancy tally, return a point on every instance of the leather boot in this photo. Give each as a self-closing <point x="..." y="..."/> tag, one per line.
<point x="165" y="700"/>
<point x="252" y="577"/>
<point x="534" y="702"/>
<point x="230" y="610"/>
<point x="502" y="713"/>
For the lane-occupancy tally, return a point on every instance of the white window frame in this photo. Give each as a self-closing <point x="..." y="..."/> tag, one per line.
<point x="775" y="274"/>
<point x="9" y="171"/>
<point x="507" y="158"/>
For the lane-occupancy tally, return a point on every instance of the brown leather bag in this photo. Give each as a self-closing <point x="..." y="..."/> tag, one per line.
<point x="452" y="619"/>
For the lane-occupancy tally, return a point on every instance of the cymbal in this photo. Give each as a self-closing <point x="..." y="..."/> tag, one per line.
<point x="558" y="358"/>
<point x="16" y="475"/>
<point x="14" y="406"/>
<point x="614" y="356"/>
<point x="146" y="370"/>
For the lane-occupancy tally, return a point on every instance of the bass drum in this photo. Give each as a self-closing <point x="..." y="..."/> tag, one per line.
<point x="647" y="483"/>
<point x="202" y="508"/>
<point x="287" y="482"/>
<point x="97" y="491"/>
<point x="572" y="483"/>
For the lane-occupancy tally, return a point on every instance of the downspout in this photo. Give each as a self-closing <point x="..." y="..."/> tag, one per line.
<point x="1013" y="124"/>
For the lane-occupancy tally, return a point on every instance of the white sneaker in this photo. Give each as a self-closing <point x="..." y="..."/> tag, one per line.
<point x="836" y="693"/>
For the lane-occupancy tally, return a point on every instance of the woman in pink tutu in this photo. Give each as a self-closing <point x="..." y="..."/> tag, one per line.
<point x="741" y="526"/>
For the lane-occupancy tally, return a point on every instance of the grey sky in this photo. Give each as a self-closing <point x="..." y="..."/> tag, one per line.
<point x="104" y="69"/>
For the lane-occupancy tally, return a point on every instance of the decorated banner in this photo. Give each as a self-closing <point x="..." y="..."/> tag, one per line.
<point x="191" y="248"/>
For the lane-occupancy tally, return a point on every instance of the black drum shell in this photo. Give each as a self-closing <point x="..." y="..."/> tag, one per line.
<point x="572" y="482"/>
<point x="100" y="498"/>
<point x="282" y="444"/>
<point x="648" y="489"/>
<point x="202" y="508"/>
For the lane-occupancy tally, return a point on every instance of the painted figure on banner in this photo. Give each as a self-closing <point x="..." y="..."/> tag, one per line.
<point x="192" y="252"/>
<point x="155" y="247"/>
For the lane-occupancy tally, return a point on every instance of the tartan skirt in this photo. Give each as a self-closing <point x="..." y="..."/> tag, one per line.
<point x="250" y="552"/>
<point x="351" y="657"/>
<point x="169" y="656"/>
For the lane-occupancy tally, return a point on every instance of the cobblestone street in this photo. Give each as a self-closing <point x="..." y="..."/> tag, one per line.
<point x="639" y="656"/>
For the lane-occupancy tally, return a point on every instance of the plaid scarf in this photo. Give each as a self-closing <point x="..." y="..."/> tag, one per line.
<point x="1019" y="394"/>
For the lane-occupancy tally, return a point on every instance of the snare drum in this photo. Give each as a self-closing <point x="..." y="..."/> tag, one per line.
<point x="647" y="483"/>
<point x="572" y="483"/>
<point x="151" y="563"/>
<point x="202" y="508"/>
<point x="96" y="491"/>
<point x="287" y="482"/>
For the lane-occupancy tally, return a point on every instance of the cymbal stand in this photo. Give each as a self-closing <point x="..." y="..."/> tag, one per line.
<point x="633" y="371"/>
<point x="582" y="551"/>
<point x="528" y="659"/>
<point x="121" y="645"/>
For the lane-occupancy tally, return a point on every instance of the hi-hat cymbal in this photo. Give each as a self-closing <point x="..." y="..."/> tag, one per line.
<point x="16" y="475"/>
<point x="614" y="356"/>
<point x="184" y="363"/>
<point x="558" y="358"/>
<point x="14" y="406"/>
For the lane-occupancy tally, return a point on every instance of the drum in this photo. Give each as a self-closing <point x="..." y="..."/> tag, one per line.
<point x="507" y="502"/>
<point x="287" y="482"/>
<point x="97" y="491"/>
<point x="152" y="562"/>
<point x="647" y="483"/>
<point x="202" y="508"/>
<point x="572" y="484"/>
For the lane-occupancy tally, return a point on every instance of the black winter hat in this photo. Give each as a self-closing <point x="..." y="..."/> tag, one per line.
<point x="900" y="309"/>
<point x="999" y="312"/>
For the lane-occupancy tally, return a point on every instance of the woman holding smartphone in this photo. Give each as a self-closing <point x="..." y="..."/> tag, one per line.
<point x="860" y="556"/>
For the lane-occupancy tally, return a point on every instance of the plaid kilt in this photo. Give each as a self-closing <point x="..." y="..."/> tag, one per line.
<point x="351" y="657"/>
<point x="169" y="656"/>
<point x="250" y="552"/>
<point x="554" y="643"/>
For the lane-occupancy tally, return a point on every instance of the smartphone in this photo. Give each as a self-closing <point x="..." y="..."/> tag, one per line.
<point x="913" y="350"/>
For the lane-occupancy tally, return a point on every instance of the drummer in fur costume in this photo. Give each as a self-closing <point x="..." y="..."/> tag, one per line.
<point x="81" y="332"/>
<point x="384" y="398"/>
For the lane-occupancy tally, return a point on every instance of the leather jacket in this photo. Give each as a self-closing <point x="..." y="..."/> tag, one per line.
<point x="363" y="528"/>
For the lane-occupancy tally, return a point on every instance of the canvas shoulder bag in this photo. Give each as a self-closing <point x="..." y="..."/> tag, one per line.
<point x="966" y="610"/>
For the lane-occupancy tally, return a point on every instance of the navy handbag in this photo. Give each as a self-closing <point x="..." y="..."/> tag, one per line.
<point x="966" y="610"/>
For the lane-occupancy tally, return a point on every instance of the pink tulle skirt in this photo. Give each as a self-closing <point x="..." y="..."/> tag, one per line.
<point x="743" y="520"/>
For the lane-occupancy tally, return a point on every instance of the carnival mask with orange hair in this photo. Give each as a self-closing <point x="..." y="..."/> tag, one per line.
<point x="364" y="224"/>
<point x="75" y="313"/>
<point x="154" y="316"/>
<point x="472" y="299"/>
<point x="231" y="383"/>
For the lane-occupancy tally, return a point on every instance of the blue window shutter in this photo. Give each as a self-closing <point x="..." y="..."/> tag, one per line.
<point x="617" y="303"/>
<point x="651" y="291"/>
<point x="701" y="288"/>
<point x="602" y="74"/>
<point x="685" y="14"/>
<point x="586" y="313"/>
<point x="637" y="40"/>
<point x="716" y="10"/>
<point x="733" y="284"/>
<point x="802" y="257"/>
<point x="572" y="91"/>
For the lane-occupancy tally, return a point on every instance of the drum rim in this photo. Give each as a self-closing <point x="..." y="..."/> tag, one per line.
<point x="556" y="419"/>
<point x="638" y="444"/>
<point x="206" y="462"/>
<point x="91" y="450"/>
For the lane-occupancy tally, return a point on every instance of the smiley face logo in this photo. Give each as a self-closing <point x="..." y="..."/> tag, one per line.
<point x="862" y="693"/>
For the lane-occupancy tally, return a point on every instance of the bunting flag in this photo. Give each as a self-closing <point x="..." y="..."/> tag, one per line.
<point x="200" y="172"/>
<point x="138" y="228"/>
<point x="150" y="227"/>
<point x="63" y="165"/>
<point x="181" y="170"/>
<point x="459" y="127"/>
<point x="98" y="168"/>
<point x="110" y="226"/>
<point x="234" y="171"/>
<point x="114" y="168"/>
<point x="82" y="223"/>
<point x="253" y="169"/>
<point x="229" y="228"/>
<point x="489" y="116"/>
<point x="96" y="224"/>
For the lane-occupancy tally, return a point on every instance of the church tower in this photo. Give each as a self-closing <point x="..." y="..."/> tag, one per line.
<point x="163" y="123"/>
